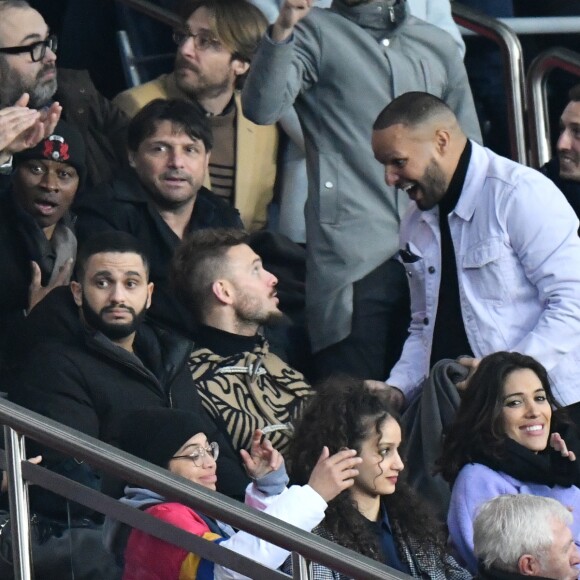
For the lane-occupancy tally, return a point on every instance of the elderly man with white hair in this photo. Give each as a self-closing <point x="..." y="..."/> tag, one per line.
<point x="525" y="535"/>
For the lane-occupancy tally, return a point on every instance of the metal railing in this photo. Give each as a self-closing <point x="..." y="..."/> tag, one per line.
<point x="536" y="82"/>
<point x="131" y="63"/>
<point x="543" y="25"/>
<point x="20" y="422"/>
<point x="511" y="51"/>
<point x="535" y="25"/>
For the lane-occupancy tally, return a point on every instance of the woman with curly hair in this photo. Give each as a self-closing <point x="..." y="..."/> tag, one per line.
<point x="378" y="516"/>
<point x="507" y="438"/>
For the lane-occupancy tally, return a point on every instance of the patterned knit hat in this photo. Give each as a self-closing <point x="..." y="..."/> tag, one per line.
<point x="65" y="145"/>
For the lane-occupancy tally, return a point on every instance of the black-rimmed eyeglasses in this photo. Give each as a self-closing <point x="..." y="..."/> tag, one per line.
<point x="37" y="50"/>
<point x="202" y="40"/>
<point x="198" y="454"/>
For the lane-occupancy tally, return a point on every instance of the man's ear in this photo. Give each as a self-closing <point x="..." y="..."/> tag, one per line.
<point x="150" y="288"/>
<point x="223" y="291"/>
<point x="131" y="157"/>
<point x="240" y="67"/>
<point x="442" y="140"/>
<point x="529" y="565"/>
<point x="77" y="292"/>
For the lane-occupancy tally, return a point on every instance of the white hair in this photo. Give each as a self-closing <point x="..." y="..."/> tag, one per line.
<point x="509" y="526"/>
<point x="7" y="4"/>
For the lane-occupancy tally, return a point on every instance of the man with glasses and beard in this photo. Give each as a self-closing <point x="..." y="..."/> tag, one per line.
<point x="100" y="357"/>
<point x="28" y="67"/>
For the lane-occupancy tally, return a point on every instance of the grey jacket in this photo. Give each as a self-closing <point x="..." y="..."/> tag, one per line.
<point x="340" y="75"/>
<point x="423" y="560"/>
<point x="424" y="422"/>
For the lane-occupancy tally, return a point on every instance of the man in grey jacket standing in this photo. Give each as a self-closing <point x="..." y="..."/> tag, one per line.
<point x="339" y="68"/>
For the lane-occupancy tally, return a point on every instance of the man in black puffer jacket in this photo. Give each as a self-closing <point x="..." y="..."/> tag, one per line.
<point x="88" y="371"/>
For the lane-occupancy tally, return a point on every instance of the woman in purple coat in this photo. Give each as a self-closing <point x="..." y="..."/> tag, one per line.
<point x="510" y="436"/>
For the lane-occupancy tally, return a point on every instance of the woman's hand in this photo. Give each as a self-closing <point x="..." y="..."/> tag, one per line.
<point x="332" y="474"/>
<point x="558" y="444"/>
<point x="262" y="458"/>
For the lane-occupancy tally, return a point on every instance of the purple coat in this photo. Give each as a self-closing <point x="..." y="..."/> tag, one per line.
<point x="476" y="484"/>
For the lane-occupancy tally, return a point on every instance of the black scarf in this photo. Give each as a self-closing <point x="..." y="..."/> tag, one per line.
<point x="547" y="467"/>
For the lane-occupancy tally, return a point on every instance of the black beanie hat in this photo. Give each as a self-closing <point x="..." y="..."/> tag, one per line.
<point x="66" y="145"/>
<point x="155" y="434"/>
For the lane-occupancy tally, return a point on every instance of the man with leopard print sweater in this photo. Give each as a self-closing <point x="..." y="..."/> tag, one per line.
<point x="242" y="384"/>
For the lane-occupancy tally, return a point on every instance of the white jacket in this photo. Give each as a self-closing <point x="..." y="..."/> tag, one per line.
<point x="300" y="506"/>
<point x="518" y="264"/>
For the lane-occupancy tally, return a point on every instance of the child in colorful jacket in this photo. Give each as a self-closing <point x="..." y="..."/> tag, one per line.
<point x="176" y="440"/>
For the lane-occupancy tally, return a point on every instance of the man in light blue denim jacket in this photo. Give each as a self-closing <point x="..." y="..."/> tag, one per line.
<point x="490" y="248"/>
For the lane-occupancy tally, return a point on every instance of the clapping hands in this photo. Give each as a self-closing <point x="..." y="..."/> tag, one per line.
<point x="22" y="128"/>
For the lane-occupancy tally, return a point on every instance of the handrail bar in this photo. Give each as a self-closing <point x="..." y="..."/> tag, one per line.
<point x="218" y="506"/>
<point x="544" y="25"/>
<point x="511" y="50"/>
<point x="99" y="502"/>
<point x="18" y="502"/>
<point x="536" y="81"/>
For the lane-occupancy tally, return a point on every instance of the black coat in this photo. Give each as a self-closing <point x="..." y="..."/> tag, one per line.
<point x="14" y="264"/>
<point x="122" y="204"/>
<point x="84" y="381"/>
<point x="16" y="256"/>
<point x="101" y="123"/>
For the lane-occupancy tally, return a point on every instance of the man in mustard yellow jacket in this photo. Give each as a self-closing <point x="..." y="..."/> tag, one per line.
<point x="215" y="47"/>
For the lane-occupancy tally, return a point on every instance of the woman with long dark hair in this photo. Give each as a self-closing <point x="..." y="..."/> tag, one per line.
<point x="509" y="436"/>
<point x="378" y="516"/>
